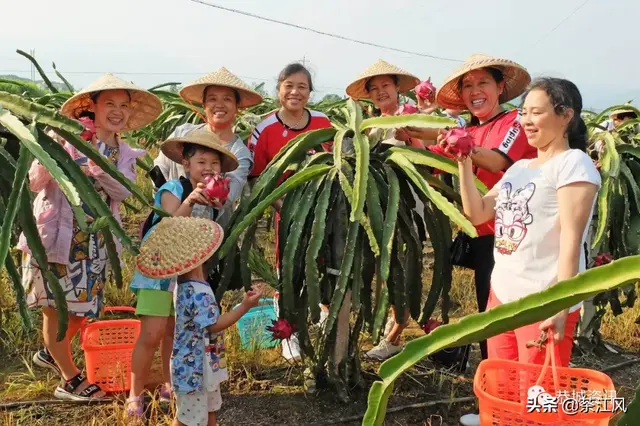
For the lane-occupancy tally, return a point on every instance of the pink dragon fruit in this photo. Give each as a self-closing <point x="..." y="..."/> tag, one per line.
<point x="89" y="129"/>
<point x="430" y="325"/>
<point x="426" y="90"/>
<point x="407" y="109"/>
<point x="458" y="142"/>
<point x="603" y="259"/>
<point x="281" y="329"/>
<point x="216" y="188"/>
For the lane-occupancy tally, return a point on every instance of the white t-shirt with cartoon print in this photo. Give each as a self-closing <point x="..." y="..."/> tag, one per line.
<point x="527" y="223"/>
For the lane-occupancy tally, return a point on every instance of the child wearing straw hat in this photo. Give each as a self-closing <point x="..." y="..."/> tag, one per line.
<point x="222" y="94"/>
<point x="179" y="246"/>
<point x="110" y="106"/>
<point x="201" y="154"/>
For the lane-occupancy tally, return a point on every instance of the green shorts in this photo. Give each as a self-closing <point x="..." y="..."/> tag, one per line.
<point x="156" y="303"/>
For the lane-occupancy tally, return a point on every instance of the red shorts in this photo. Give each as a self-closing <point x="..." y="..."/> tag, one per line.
<point x="512" y="344"/>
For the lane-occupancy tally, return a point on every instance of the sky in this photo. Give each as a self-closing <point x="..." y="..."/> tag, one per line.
<point x="156" y="41"/>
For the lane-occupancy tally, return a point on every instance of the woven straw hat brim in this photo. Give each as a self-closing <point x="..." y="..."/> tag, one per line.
<point x="406" y="80"/>
<point x="516" y="79"/>
<point x="620" y="111"/>
<point x="145" y="106"/>
<point x="178" y="245"/>
<point x="173" y="148"/>
<point x="194" y="91"/>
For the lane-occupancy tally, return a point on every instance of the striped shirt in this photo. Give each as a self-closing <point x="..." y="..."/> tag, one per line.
<point x="272" y="134"/>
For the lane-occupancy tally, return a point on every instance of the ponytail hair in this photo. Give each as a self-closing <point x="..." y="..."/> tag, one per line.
<point x="564" y="95"/>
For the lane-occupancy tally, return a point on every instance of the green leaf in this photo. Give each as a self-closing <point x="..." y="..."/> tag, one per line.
<point x="611" y="158"/>
<point x="410" y="120"/>
<point x="291" y="247"/>
<point x="90" y="196"/>
<point x="509" y="316"/>
<point x="35" y="112"/>
<point x="343" y="279"/>
<point x="40" y="70"/>
<point x="442" y="203"/>
<point x="429" y="159"/>
<point x="103" y="162"/>
<point x="64" y="80"/>
<point x="631" y="183"/>
<point x="390" y="219"/>
<point x="18" y="289"/>
<point x="361" y="146"/>
<point x="374" y="208"/>
<point x="114" y="258"/>
<point x="312" y="274"/>
<point x="603" y="211"/>
<point x="294" y="150"/>
<point x="29" y="140"/>
<point x="629" y="149"/>
<point x="293" y="182"/>
<point x="20" y="177"/>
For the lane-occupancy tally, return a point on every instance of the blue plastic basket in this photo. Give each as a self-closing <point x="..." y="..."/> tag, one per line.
<point x="252" y="327"/>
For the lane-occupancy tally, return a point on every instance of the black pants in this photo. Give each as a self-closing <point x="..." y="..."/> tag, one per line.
<point x="482" y="251"/>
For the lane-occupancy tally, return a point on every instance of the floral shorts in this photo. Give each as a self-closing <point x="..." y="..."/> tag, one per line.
<point x="193" y="409"/>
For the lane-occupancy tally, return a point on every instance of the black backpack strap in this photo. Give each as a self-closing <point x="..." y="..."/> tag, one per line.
<point x="187" y="188"/>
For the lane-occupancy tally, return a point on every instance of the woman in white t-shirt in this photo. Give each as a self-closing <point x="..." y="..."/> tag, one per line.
<point x="542" y="209"/>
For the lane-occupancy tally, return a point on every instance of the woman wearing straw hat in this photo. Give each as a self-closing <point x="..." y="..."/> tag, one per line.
<point x="78" y="258"/>
<point x="382" y="83"/>
<point x="202" y="154"/>
<point x="274" y="132"/>
<point x="222" y="94"/>
<point x="480" y="85"/>
<point x="179" y="246"/>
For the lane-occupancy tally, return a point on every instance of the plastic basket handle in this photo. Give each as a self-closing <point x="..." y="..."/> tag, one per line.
<point x="119" y="309"/>
<point x="549" y="359"/>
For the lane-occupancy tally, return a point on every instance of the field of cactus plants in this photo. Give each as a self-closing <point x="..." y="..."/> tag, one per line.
<point x="349" y="228"/>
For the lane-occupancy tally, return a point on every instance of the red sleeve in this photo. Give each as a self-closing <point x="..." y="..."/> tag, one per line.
<point x="511" y="141"/>
<point x="258" y="147"/>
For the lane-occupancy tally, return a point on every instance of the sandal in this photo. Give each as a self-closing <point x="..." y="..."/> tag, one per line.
<point x="67" y="389"/>
<point x="165" y="395"/>
<point x="137" y="412"/>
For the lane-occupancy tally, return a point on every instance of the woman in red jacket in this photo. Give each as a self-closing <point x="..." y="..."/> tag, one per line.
<point x="481" y="85"/>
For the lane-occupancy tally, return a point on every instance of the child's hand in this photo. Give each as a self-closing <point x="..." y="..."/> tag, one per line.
<point x="197" y="196"/>
<point x="252" y="297"/>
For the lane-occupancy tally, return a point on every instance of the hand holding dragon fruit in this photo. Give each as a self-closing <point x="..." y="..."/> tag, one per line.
<point x="426" y="90"/>
<point x="458" y="142"/>
<point x="216" y="188"/>
<point x="89" y="129"/>
<point x="281" y="329"/>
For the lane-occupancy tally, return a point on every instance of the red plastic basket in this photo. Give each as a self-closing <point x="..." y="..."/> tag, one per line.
<point x="108" y="348"/>
<point x="502" y="388"/>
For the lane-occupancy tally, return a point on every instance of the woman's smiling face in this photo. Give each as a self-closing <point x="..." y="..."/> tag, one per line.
<point x="112" y="109"/>
<point x="481" y="93"/>
<point x="383" y="92"/>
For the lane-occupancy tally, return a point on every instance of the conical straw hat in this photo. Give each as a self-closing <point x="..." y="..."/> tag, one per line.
<point x="406" y="81"/>
<point x="178" y="245"/>
<point x="145" y="105"/>
<point x="624" y="109"/>
<point x="173" y="147"/>
<point x="516" y="79"/>
<point x="194" y="91"/>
